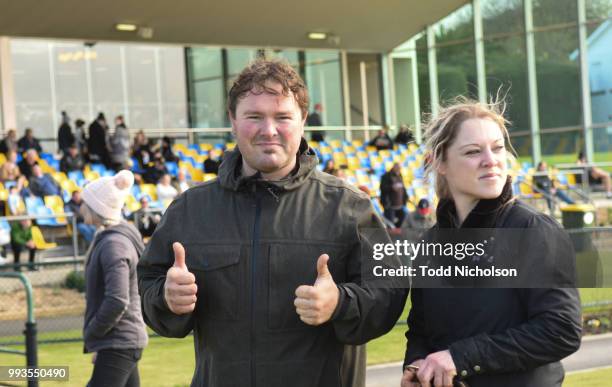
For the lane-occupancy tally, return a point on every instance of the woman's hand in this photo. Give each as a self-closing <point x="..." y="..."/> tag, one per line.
<point x="409" y="379"/>
<point x="438" y="369"/>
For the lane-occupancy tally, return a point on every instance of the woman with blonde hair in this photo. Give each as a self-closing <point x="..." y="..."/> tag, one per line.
<point x="496" y="336"/>
<point x="114" y="330"/>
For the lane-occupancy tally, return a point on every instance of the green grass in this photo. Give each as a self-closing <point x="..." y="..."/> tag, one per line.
<point x="597" y="378"/>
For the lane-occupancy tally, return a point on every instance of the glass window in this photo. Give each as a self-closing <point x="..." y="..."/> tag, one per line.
<point x="207" y="91"/>
<point x="522" y="145"/>
<point x="506" y="59"/>
<point x="69" y="60"/>
<point x="599" y="41"/>
<point x="456" y="72"/>
<point x="205" y="63"/>
<point x="566" y="143"/>
<point x="32" y="83"/>
<point x="373" y="84"/>
<point x="208" y="105"/>
<point x="237" y="59"/>
<point x="107" y="81"/>
<point x="324" y="81"/>
<point x="558" y="78"/>
<point x="502" y="17"/>
<point x="174" y="95"/>
<point x="142" y="86"/>
<point x="554" y="12"/>
<point x="423" y="74"/>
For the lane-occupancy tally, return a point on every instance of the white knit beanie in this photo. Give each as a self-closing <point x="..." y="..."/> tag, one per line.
<point x="106" y="195"/>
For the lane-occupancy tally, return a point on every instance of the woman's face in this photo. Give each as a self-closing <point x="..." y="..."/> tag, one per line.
<point x="475" y="164"/>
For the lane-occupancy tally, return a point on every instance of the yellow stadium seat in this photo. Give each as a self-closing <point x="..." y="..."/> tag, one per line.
<point x="3" y="194"/>
<point x="91" y="175"/>
<point x="196" y="174"/>
<point x="357" y="143"/>
<point x="206" y="146"/>
<point x="132" y="204"/>
<point x="69" y="186"/>
<point x="209" y="176"/>
<point x="2" y="158"/>
<point x="179" y="148"/>
<point x="313" y="144"/>
<point x="149" y="189"/>
<point x="56" y="204"/>
<point x="59" y="177"/>
<point x="335" y="143"/>
<point x="39" y="240"/>
<point x="371" y="148"/>
<point x="230" y="145"/>
<point x="353" y="163"/>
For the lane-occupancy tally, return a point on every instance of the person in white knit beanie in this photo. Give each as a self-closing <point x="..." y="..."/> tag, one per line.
<point x="106" y="197"/>
<point x="114" y="330"/>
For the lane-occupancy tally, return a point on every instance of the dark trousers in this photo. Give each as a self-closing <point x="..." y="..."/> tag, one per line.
<point x="395" y="215"/>
<point x="17" y="249"/>
<point x="116" y="368"/>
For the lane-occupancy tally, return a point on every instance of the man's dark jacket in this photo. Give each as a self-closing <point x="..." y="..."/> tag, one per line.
<point x="250" y="244"/>
<point x="499" y="337"/>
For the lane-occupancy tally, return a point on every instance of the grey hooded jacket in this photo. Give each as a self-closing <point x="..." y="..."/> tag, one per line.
<point x="113" y="318"/>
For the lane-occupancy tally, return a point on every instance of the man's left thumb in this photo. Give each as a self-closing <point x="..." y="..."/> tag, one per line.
<point x="322" y="269"/>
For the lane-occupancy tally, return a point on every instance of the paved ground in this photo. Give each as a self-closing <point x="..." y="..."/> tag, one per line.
<point x="596" y="351"/>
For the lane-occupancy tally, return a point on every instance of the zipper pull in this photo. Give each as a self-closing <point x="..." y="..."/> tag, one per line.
<point x="271" y="190"/>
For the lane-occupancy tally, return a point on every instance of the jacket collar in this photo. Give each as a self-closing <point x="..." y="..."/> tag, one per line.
<point x="484" y="215"/>
<point x="230" y="171"/>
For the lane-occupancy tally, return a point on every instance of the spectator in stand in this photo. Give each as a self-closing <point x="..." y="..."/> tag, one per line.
<point x="147" y="219"/>
<point x="98" y="143"/>
<point x="25" y="165"/>
<point x="165" y="190"/>
<point x="72" y="160"/>
<point x="329" y="167"/>
<point x="13" y="201"/>
<point x="155" y="170"/>
<point x="9" y="142"/>
<point x="166" y="149"/>
<point x="28" y="141"/>
<point x="544" y="183"/>
<point x="404" y="136"/>
<point x="421" y="219"/>
<point x="382" y="140"/>
<point x="74" y="206"/>
<point x="42" y="184"/>
<point x="120" y="145"/>
<point x="181" y="184"/>
<point x="65" y="138"/>
<point x="211" y="164"/>
<point x="79" y="136"/>
<point x="21" y="238"/>
<point x="9" y="171"/>
<point x="314" y="119"/>
<point x="596" y="175"/>
<point x="141" y="149"/>
<point x="393" y="196"/>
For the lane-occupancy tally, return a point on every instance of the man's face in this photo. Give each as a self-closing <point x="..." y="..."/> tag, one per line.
<point x="268" y="129"/>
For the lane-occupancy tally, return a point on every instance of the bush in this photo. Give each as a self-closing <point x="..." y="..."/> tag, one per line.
<point x="76" y="280"/>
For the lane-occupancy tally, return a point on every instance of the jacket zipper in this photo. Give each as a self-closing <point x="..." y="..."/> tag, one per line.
<point x="253" y="283"/>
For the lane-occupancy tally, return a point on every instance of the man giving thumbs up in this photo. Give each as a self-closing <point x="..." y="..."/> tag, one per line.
<point x="316" y="304"/>
<point x="271" y="283"/>
<point x="180" y="288"/>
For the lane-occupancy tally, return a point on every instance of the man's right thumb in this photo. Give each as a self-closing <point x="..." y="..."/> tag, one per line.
<point x="179" y="255"/>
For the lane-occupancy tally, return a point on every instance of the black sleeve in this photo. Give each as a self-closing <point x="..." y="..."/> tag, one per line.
<point x="416" y="345"/>
<point x="364" y="311"/>
<point x="553" y="326"/>
<point x="157" y="258"/>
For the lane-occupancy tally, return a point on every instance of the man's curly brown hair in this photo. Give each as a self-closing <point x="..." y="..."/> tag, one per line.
<point x="254" y="77"/>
